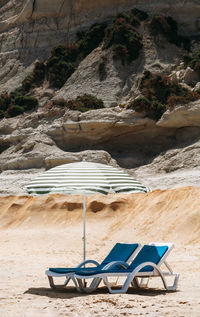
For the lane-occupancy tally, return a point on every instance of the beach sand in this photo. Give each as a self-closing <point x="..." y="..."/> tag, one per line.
<point x="41" y="232"/>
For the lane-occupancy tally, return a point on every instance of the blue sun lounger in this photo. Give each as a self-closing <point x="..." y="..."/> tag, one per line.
<point x="120" y="253"/>
<point x="146" y="264"/>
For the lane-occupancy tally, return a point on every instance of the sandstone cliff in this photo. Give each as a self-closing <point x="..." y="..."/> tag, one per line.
<point x="30" y="28"/>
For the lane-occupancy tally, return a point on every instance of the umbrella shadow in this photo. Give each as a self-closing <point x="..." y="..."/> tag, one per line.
<point x="70" y="292"/>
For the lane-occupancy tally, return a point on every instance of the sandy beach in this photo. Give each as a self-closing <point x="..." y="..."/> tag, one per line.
<point x="40" y="232"/>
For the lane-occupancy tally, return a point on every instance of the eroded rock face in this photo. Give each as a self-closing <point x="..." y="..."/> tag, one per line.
<point x="15" y="12"/>
<point x="187" y="76"/>
<point x="181" y="116"/>
<point x="156" y="155"/>
<point x="30" y="28"/>
<point x="46" y="139"/>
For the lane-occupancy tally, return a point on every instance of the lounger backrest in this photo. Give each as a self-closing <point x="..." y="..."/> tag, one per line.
<point x="120" y="252"/>
<point x="149" y="253"/>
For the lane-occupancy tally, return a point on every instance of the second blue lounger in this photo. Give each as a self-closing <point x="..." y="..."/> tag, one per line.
<point x="146" y="264"/>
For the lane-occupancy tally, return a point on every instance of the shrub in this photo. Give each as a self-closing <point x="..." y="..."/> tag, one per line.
<point x="89" y="40"/>
<point x="66" y="53"/>
<point x="91" y="102"/>
<point x="155" y="87"/>
<point x="140" y="104"/>
<point x="59" y="73"/>
<point x="60" y="102"/>
<point x="120" y="52"/>
<point x="133" y="17"/>
<point x="16" y="103"/>
<point x="153" y="110"/>
<point x="141" y="15"/>
<point x="72" y="51"/>
<point x="5" y="101"/>
<point x="27" y="102"/>
<point x="2" y="115"/>
<point x="36" y="78"/>
<point x="19" y="98"/>
<point x="27" y="83"/>
<point x="160" y="87"/>
<point x="13" y="111"/>
<point x="58" y="51"/>
<point x="63" y="59"/>
<point x="75" y="104"/>
<point x="160" y="93"/>
<point x="193" y="59"/>
<point x="81" y="103"/>
<point x="190" y="96"/>
<point x="61" y="64"/>
<point x="39" y="73"/>
<point x="129" y="18"/>
<point x="17" y="93"/>
<point x="156" y="110"/>
<point x="167" y="26"/>
<point x="125" y="40"/>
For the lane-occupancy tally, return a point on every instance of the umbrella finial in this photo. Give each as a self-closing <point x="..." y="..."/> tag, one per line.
<point x="111" y="190"/>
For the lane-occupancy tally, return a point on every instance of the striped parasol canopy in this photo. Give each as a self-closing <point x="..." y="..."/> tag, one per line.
<point x="84" y="178"/>
<point x="74" y="178"/>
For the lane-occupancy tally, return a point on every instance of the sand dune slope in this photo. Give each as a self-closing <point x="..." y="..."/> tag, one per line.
<point x="161" y="215"/>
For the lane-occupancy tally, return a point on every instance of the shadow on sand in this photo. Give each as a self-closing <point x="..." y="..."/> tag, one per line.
<point x="70" y="292"/>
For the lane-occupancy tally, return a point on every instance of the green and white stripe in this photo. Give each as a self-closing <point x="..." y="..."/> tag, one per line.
<point x="84" y="176"/>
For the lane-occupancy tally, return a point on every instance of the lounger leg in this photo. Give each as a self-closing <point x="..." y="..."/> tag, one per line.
<point x="175" y="285"/>
<point x="53" y="286"/>
<point x="95" y="283"/>
<point x="172" y="287"/>
<point x="51" y="282"/>
<point x="93" y="286"/>
<point x="135" y="283"/>
<point x="75" y="283"/>
<point x="66" y="281"/>
<point x="80" y="285"/>
<point x="142" y="282"/>
<point x="121" y="290"/>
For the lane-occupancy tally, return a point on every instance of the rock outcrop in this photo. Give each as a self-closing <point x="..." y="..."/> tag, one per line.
<point x="30" y="28"/>
<point x="181" y="116"/>
<point x="44" y="139"/>
<point x="50" y="136"/>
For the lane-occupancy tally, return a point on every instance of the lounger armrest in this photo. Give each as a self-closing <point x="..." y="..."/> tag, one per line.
<point x="88" y="261"/>
<point x="112" y="264"/>
<point x="144" y="264"/>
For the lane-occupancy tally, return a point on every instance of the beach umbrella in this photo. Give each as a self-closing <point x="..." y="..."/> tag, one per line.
<point x="85" y="178"/>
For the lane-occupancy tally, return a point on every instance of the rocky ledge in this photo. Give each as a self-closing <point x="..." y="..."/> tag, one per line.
<point x="44" y="139"/>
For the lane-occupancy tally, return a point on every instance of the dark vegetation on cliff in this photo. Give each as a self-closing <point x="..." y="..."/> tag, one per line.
<point x="124" y="39"/>
<point x="193" y="59"/>
<point x="81" y="103"/>
<point x="167" y="26"/>
<point x="160" y="93"/>
<point x="15" y="103"/>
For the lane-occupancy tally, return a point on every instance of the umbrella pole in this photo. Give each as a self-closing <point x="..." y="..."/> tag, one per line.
<point x="84" y="227"/>
<point x="84" y="232"/>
